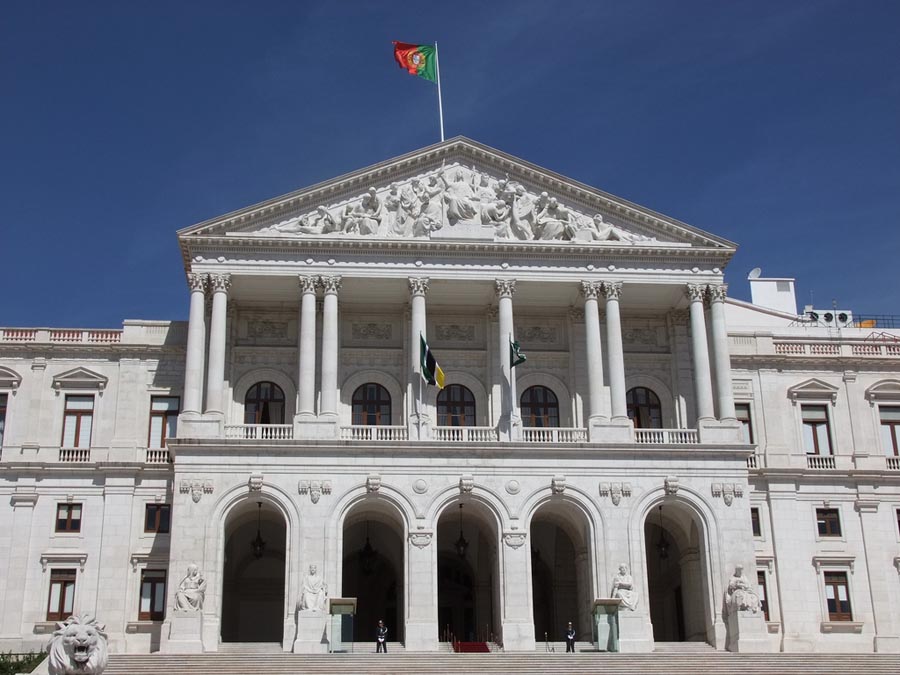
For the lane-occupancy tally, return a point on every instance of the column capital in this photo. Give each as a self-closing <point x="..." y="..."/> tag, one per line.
<point x="590" y="290"/>
<point x="612" y="290"/>
<point x="331" y="284"/>
<point x="718" y="292"/>
<point x="307" y="283"/>
<point x="695" y="292"/>
<point x="220" y="283"/>
<point x="418" y="285"/>
<point x="197" y="281"/>
<point x="505" y="288"/>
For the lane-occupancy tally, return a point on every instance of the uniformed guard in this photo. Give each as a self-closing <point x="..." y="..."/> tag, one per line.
<point x="570" y="639"/>
<point x="381" y="637"/>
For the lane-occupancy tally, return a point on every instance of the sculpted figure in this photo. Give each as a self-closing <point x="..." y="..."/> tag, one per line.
<point x="522" y="214"/>
<point x="392" y="212"/>
<point x="364" y="217"/>
<point x="740" y="597"/>
<point x="460" y="199"/>
<point x="497" y="213"/>
<point x="317" y="222"/>
<point x="191" y="590"/>
<point x="314" y="592"/>
<point x="78" y="647"/>
<point x="623" y="588"/>
<point x="553" y="220"/>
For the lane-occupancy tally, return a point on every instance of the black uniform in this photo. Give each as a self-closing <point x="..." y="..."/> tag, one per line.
<point x="570" y="639"/>
<point x="381" y="638"/>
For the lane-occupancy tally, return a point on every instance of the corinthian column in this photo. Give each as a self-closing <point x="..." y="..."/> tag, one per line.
<point x="594" y="351"/>
<point x="215" y="380"/>
<point x="306" y="347"/>
<point x="196" y="345"/>
<point x="724" y="392"/>
<point x="331" y="285"/>
<point x="613" y="290"/>
<point x="700" y="353"/>
<point x="505" y="289"/>
<point x="418" y="289"/>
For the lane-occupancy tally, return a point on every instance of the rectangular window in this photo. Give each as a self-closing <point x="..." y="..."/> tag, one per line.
<point x="68" y="517"/>
<point x="153" y="595"/>
<point x="828" y="522"/>
<point x="78" y="421"/>
<point x="743" y="415"/>
<point x="62" y="595"/>
<point x="156" y="518"/>
<point x="890" y="429"/>
<point x="816" y="435"/>
<point x="837" y="594"/>
<point x="163" y="420"/>
<point x="3" y="399"/>
<point x="754" y="522"/>
<point x="763" y="593"/>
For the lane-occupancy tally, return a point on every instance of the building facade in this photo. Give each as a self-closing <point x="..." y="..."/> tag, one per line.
<point x="214" y="481"/>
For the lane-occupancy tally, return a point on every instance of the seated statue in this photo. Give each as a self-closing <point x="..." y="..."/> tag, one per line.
<point x="191" y="590"/>
<point x="740" y="597"/>
<point x="314" y="592"/>
<point x="623" y="588"/>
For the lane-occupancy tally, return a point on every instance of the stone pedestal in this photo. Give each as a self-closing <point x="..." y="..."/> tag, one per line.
<point x="747" y="633"/>
<point x="182" y="633"/>
<point x="606" y="624"/>
<point x="635" y="633"/>
<point x="611" y="431"/>
<point x="312" y="632"/>
<point x="518" y="636"/>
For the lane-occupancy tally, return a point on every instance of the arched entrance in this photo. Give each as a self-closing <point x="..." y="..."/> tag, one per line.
<point x="677" y="574"/>
<point x="372" y="569"/>
<point x="468" y="568"/>
<point x="560" y="572"/>
<point x="253" y="605"/>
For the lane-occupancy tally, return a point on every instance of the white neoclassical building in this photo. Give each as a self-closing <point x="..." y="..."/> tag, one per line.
<point x="181" y="480"/>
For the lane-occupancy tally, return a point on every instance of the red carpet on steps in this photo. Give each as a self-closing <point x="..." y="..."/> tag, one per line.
<point x="472" y="647"/>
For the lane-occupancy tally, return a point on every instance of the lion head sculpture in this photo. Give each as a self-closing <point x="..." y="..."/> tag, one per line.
<point x="78" y="647"/>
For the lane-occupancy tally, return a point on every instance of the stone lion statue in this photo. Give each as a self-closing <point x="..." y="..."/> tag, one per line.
<point x="78" y="647"/>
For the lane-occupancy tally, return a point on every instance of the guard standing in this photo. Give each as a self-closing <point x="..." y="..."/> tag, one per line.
<point x="570" y="639"/>
<point x="381" y="637"/>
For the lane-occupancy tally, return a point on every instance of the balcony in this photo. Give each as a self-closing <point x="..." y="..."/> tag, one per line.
<point x="260" y="432"/>
<point x="667" y="436"/>
<point x="554" y="435"/>
<point x="362" y="432"/>
<point x="820" y="462"/>
<point x="466" y="434"/>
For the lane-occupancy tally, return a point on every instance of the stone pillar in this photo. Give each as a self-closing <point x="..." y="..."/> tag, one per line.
<point x="215" y="380"/>
<point x="619" y="409"/>
<point x="419" y="426"/>
<point x="306" y="348"/>
<point x="724" y="392"/>
<point x="594" y="352"/>
<point x="196" y="344"/>
<point x="518" y="621"/>
<point x="12" y="621"/>
<point x="700" y="354"/>
<point x="422" y="632"/>
<point x="876" y="529"/>
<point x="332" y="286"/>
<point x="510" y="426"/>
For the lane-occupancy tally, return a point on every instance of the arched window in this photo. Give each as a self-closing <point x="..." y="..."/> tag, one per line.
<point x="455" y="407"/>
<point x="540" y="407"/>
<point x="264" y="404"/>
<point x="371" y="405"/>
<point x="644" y="409"/>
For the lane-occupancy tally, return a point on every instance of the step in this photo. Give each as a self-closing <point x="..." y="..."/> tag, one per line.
<point x="683" y="647"/>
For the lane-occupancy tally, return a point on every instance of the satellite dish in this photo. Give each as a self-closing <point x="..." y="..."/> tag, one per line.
<point x="754" y="273"/>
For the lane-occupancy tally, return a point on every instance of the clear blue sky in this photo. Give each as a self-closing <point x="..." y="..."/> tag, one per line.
<point x="773" y="123"/>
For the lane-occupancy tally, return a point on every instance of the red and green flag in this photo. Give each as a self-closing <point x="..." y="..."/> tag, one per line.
<point x="416" y="59"/>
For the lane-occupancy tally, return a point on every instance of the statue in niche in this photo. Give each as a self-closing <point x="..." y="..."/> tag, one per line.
<point x="314" y="592"/>
<point x="740" y="597"/>
<point x="191" y="591"/>
<point x="623" y="588"/>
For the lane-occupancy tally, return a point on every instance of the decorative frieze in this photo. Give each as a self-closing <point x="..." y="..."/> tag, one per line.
<point x="514" y="539"/>
<point x="255" y="482"/>
<point x="371" y="331"/>
<point x="420" y="539"/>
<point x="314" y="488"/>
<point x="267" y="330"/>
<point x="373" y="483"/>
<point x="727" y="491"/>
<point x="196" y="488"/>
<point x="455" y="332"/>
<point x="671" y="485"/>
<point x="466" y="484"/>
<point x="615" y="491"/>
<point x="558" y="484"/>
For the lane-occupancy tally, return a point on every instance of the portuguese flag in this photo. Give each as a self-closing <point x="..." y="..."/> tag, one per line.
<point x="416" y="59"/>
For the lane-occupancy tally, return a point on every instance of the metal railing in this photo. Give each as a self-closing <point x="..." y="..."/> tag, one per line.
<point x="260" y="432"/>
<point x="554" y="435"/>
<point x="465" y="434"/>
<point x="667" y="436"/>
<point x="363" y="432"/>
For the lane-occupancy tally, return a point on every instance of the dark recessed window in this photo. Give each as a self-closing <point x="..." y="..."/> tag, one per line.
<point x="264" y="404"/>
<point x="742" y="410"/>
<point x="371" y="405"/>
<point x="62" y="595"/>
<point x="829" y="522"/>
<point x="68" y="517"/>
<point x="456" y="407"/>
<point x="754" y="522"/>
<point x="890" y="429"/>
<point x="644" y="409"/>
<point x="837" y="594"/>
<point x="153" y="595"/>
<point x="156" y="518"/>
<point x="816" y="436"/>
<point x="763" y="593"/>
<point x="3" y="399"/>
<point x="540" y="407"/>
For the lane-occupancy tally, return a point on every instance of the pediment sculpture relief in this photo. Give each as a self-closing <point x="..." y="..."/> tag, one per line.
<point x="455" y="202"/>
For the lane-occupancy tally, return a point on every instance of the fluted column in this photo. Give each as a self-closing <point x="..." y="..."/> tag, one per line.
<point x="196" y="345"/>
<point x="612" y="290"/>
<point x="306" y="347"/>
<point x="594" y="351"/>
<point x="700" y="353"/>
<point x="724" y="391"/>
<point x="331" y="286"/>
<point x="418" y="289"/>
<point x="505" y="289"/>
<point x="218" y="334"/>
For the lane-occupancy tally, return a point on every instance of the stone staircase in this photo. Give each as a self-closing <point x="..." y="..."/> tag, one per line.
<point x="538" y="663"/>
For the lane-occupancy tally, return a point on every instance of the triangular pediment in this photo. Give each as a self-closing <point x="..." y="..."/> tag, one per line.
<point x="813" y="390"/>
<point x="455" y="191"/>
<point x="80" y="378"/>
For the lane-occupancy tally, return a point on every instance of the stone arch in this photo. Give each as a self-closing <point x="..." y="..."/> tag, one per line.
<point x="357" y="379"/>
<point x="451" y="494"/>
<point x="483" y="413"/>
<point x="251" y="377"/>
<point x="662" y="391"/>
<point x="556" y="385"/>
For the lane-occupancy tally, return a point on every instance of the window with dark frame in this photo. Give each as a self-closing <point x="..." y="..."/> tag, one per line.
<point x="3" y="400"/>
<point x="456" y="406"/>
<point x="897" y="513"/>
<point x="264" y="404"/>
<point x="828" y="522"/>
<point x="62" y="594"/>
<point x="755" y="525"/>
<point x="153" y="595"/>
<point x="163" y="420"/>
<point x="371" y="405"/>
<point x="68" y="517"/>
<point x="837" y="595"/>
<point x="78" y="421"/>
<point x="816" y="434"/>
<point x="643" y="408"/>
<point x="157" y="518"/>
<point x="763" y="593"/>
<point x="890" y="429"/>
<point x="742" y="411"/>
<point x="539" y="407"/>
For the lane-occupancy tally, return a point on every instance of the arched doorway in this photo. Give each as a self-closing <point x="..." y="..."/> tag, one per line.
<point x="560" y="572"/>
<point x="253" y="596"/>
<point x="372" y="569"/>
<point x="644" y="408"/>
<point x="468" y="568"/>
<point x="677" y="574"/>
<point x="264" y="404"/>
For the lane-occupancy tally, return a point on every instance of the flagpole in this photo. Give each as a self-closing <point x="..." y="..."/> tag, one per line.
<point x="419" y="407"/>
<point x="437" y="67"/>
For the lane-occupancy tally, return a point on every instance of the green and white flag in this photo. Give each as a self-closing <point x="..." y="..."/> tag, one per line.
<point x="516" y="357"/>
<point x="431" y="371"/>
